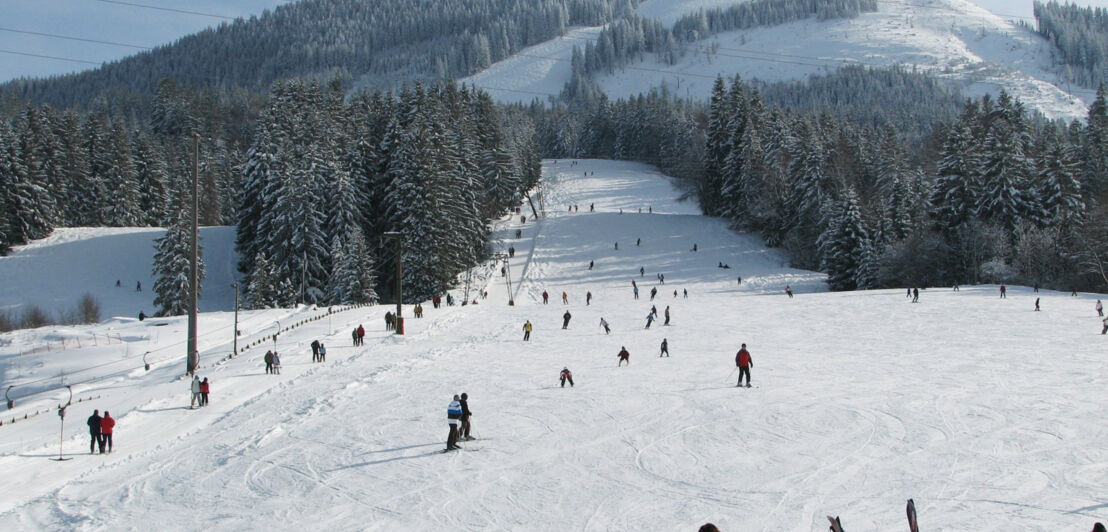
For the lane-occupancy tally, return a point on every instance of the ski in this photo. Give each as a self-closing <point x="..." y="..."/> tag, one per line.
<point x="836" y="525"/>
<point x="911" y="509"/>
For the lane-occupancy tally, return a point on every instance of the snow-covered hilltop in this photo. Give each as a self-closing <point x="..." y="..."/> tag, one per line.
<point x="957" y="40"/>
<point x="981" y="409"/>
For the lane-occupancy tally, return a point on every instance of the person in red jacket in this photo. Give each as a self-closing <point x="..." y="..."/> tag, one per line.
<point x="204" y="392"/>
<point x="624" y="356"/>
<point x="744" y="363"/>
<point x="107" y="426"/>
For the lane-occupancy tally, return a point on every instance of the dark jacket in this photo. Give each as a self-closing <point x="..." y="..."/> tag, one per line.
<point x="465" y="407"/>
<point x="94" y="423"/>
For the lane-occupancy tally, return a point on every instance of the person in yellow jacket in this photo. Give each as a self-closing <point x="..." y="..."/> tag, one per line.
<point x="527" y="331"/>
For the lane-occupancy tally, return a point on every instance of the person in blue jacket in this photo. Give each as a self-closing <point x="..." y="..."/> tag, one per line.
<point x="453" y="416"/>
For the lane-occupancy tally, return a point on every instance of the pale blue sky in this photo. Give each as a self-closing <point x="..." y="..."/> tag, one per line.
<point x="100" y="20"/>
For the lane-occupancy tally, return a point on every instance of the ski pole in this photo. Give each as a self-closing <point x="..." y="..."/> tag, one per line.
<point x="730" y="374"/>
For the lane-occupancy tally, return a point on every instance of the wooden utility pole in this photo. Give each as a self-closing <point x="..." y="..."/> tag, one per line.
<point x="193" y="359"/>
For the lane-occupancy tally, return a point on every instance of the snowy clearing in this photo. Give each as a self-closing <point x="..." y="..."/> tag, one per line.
<point x="985" y="412"/>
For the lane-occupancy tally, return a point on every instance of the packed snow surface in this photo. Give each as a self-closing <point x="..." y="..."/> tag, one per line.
<point x="988" y="414"/>
<point x="974" y="49"/>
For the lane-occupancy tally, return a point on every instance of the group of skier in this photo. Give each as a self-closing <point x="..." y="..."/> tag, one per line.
<point x="100" y="430"/>
<point x="457" y="417"/>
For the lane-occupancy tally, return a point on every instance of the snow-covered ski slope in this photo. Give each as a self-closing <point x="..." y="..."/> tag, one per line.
<point x="54" y="272"/>
<point x="978" y="51"/>
<point x="985" y="412"/>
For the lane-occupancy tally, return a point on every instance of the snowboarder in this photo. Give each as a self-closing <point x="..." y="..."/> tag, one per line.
<point x="195" y="392"/>
<point x="624" y="356"/>
<point x="565" y="320"/>
<point x="269" y="362"/>
<point x="566" y="375"/>
<point x="545" y="297"/>
<point x="204" y="389"/>
<point x="107" y="427"/>
<point x="315" y="350"/>
<point x="527" y="331"/>
<point x="322" y="353"/>
<point x="1036" y="304"/>
<point x="588" y="298"/>
<point x="565" y="298"/>
<point x="665" y="349"/>
<point x="1099" y="308"/>
<point x="649" y="319"/>
<point x="96" y="439"/>
<point x="604" y="323"/>
<point x="1003" y="292"/>
<point x="653" y="292"/>
<point x="744" y="363"/>
<point x="463" y="430"/>
<point x="789" y="291"/>
<point x="453" y="416"/>
<point x="667" y="315"/>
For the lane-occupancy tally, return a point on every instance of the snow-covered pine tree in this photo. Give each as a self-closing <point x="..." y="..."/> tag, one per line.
<point x="259" y="174"/>
<point x="152" y="176"/>
<point x="171" y="267"/>
<point x="844" y="244"/>
<point x="715" y="153"/>
<point x="23" y="199"/>
<point x="956" y="188"/>
<point x="264" y="290"/>
<point x="1060" y="201"/>
<point x="1003" y="178"/>
<point x="120" y="208"/>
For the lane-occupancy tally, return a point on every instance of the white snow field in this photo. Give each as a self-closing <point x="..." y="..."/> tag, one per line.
<point x="976" y="50"/>
<point x="988" y="414"/>
<point x="54" y="272"/>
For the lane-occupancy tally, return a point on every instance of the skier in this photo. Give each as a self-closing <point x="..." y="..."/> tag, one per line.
<point x="463" y="430"/>
<point x="915" y="295"/>
<point x="653" y="292"/>
<point x="322" y="353"/>
<point x="667" y="315"/>
<point x="636" y="292"/>
<point x="1099" y="308"/>
<point x="955" y="287"/>
<point x="107" y="427"/>
<point x="624" y="356"/>
<point x="204" y="389"/>
<point x="354" y="336"/>
<point x="138" y="288"/>
<point x="453" y="415"/>
<point x="361" y="335"/>
<point x="694" y="248"/>
<point x="909" y="294"/>
<point x="315" y="350"/>
<point x="588" y="298"/>
<point x="94" y="433"/>
<point x="1105" y="329"/>
<point x="511" y="251"/>
<point x="388" y="320"/>
<point x="649" y="319"/>
<point x="142" y="315"/>
<point x="1036" y="304"/>
<point x="617" y="246"/>
<point x="527" y="331"/>
<point x="590" y="265"/>
<point x="665" y="349"/>
<point x="195" y="392"/>
<point x="269" y="362"/>
<point x="740" y="280"/>
<point x="604" y="323"/>
<point x="566" y="375"/>
<point x="654" y="311"/>
<point x="642" y="271"/>
<point x="686" y="292"/>
<point x="638" y="242"/>
<point x="276" y="363"/>
<point x="662" y="278"/>
<point x="565" y="298"/>
<point x="789" y="291"/>
<point x="675" y="294"/>
<point x="1003" y="292"/>
<point x="592" y="207"/>
<point x="1073" y="291"/>
<point x="117" y="285"/>
<point x="565" y="320"/>
<point x="545" y="297"/>
<point x="744" y="363"/>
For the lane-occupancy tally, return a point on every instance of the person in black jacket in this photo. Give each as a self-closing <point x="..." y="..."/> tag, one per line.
<point x="94" y="433"/>
<point x="463" y="431"/>
<point x="565" y="320"/>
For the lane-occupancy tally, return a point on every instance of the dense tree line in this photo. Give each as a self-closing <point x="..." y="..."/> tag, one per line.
<point x="380" y="43"/>
<point x="72" y="168"/>
<point x="1080" y="37"/>
<point x="631" y="37"/>
<point x="327" y="177"/>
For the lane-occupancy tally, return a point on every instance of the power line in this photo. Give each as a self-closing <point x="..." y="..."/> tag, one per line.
<point x="50" y="57"/>
<point x="170" y="9"/>
<point x="54" y="36"/>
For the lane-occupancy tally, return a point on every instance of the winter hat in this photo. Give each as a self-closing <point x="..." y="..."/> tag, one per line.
<point x="1098" y="528"/>
<point x="455" y="397"/>
<point x="465" y="396"/>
